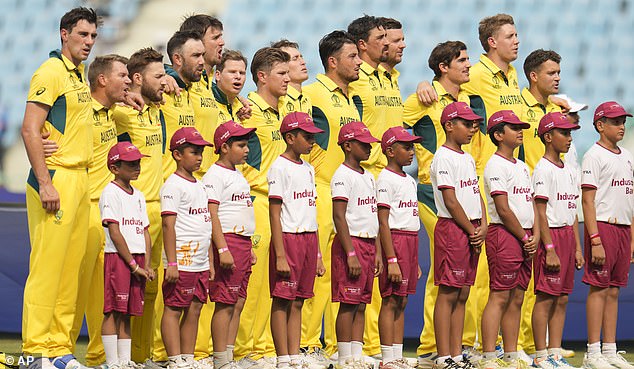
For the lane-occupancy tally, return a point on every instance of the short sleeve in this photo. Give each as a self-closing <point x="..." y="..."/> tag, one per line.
<point x="213" y="186"/>
<point x="384" y="192"/>
<point x="275" y="178"/>
<point x="110" y="207"/>
<point x="46" y="85"/>
<point x="146" y="220"/>
<point x="445" y="172"/>
<point x="340" y="187"/>
<point x="541" y="184"/>
<point x="497" y="182"/>
<point x="170" y="199"/>
<point x="590" y="171"/>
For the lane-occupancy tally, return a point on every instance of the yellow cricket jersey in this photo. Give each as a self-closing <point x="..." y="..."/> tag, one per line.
<point x="145" y="130"/>
<point x="425" y="122"/>
<point x="331" y="110"/>
<point x="206" y="114"/>
<point x="264" y="146"/>
<point x="394" y="115"/>
<point x="533" y="149"/>
<point x="490" y="90"/>
<point x="294" y="101"/>
<point x="104" y="136"/>
<point x="226" y="110"/>
<point x="370" y="97"/>
<point x="61" y="85"/>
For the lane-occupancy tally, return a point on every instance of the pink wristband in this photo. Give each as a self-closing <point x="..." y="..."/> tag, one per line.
<point x="172" y="264"/>
<point x="224" y="249"/>
<point x="549" y="246"/>
<point x="319" y="254"/>
<point x="594" y="235"/>
<point x="352" y="253"/>
<point x="392" y="260"/>
<point x="525" y="237"/>
<point x="132" y="263"/>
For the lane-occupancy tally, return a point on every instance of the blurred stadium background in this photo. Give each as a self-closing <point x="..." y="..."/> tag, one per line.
<point x="594" y="38"/>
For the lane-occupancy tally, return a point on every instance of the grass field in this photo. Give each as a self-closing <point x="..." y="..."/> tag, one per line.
<point x="11" y="344"/>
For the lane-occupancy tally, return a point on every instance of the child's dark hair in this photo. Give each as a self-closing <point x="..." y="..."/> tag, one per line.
<point x="181" y="148"/>
<point x="497" y="129"/>
<point x="293" y="132"/>
<point x="231" y="140"/>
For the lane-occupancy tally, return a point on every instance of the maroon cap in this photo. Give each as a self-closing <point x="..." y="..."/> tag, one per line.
<point x="187" y="135"/>
<point x="554" y="120"/>
<point x="397" y="134"/>
<point x="227" y="130"/>
<point x="299" y="120"/>
<point x="458" y="109"/>
<point x="355" y="131"/>
<point x="505" y="116"/>
<point x="610" y="109"/>
<point x="124" y="151"/>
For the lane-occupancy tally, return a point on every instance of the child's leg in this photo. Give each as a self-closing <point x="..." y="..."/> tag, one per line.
<point x="399" y="327"/>
<point x="124" y="343"/>
<point x="343" y="327"/>
<point x="542" y="315"/>
<point x="491" y="317"/>
<point x="189" y="327"/>
<point x="511" y="320"/>
<point x="279" y="325"/>
<point x="443" y="312"/>
<point x="556" y="322"/>
<point x="223" y="314"/>
<point x="233" y="326"/>
<point x="595" y="307"/>
<point x="610" y="312"/>
<point x="386" y="326"/>
<point x="457" y="322"/>
<point x="109" y="337"/>
<point x="295" y="326"/>
<point x="170" y="330"/>
<point x="358" y="326"/>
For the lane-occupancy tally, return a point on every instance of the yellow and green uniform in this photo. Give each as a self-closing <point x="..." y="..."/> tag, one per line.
<point x="226" y="110"/>
<point x="394" y="115"/>
<point x="146" y="131"/>
<point x="206" y="115"/>
<point x="90" y="297"/>
<point x="58" y="240"/>
<point x="370" y="98"/>
<point x="533" y="149"/>
<point x="331" y="109"/>
<point x="294" y="101"/>
<point x="254" y="335"/>
<point x="425" y="122"/>
<point x="490" y="90"/>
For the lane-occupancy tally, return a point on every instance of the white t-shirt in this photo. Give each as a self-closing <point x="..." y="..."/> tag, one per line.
<point x="453" y="169"/>
<point x="188" y="201"/>
<point x="503" y="176"/>
<point x="129" y="212"/>
<point x="294" y="184"/>
<point x="359" y="190"/>
<point x="612" y="176"/>
<point x="558" y="185"/>
<point x="398" y="193"/>
<point x="230" y="190"/>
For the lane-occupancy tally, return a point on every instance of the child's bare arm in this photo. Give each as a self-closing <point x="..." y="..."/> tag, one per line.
<point x="124" y="252"/>
<point x="225" y="258"/>
<point x="343" y="233"/>
<point x="169" y="245"/>
<point x="597" y="252"/>
<point x="275" y="213"/>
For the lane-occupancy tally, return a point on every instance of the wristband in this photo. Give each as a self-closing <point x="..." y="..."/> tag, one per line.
<point x="319" y="254"/>
<point x="132" y="263"/>
<point x="594" y="235"/>
<point x="549" y="246"/>
<point x="392" y="260"/>
<point x="221" y="250"/>
<point x="135" y="269"/>
<point x="172" y="264"/>
<point x="352" y="253"/>
<point x="525" y="238"/>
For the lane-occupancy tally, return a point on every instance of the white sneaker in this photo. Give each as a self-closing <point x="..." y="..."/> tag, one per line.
<point x="180" y="364"/>
<point x="41" y="363"/>
<point x="247" y="362"/>
<point x="427" y="361"/>
<point x="67" y="362"/>
<point x="204" y="363"/>
<point x="447" y="364"/>
<point x="266" y="362"/>
<point x="567" y="353"/>
<point x="596" y="361"/>
<point x="472" y="354"/>
<point x="618" y="361"/>
<point x="492" y="364"/>
<point x="546" y="363"/>
<point x="522" y="355"/>
<point x="317" y="356"/>
<point x="391" y="365"/>
<point x="564" y="364"/>
<point x="151" y="364"/>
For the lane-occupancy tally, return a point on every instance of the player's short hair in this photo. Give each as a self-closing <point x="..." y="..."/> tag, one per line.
<point x="331" y="44"/>
<point x="199" y="23"/>
<point x="285" y="43"/>
<point x="489" y="27"/>
<point x="390" y="23"/>
<point x="70" y="19"/>
<point x="497" y="129"/>
<point x="360" y="28"/>
<point x="103" y="65"/>
<point x="175" y="44"/>
<point x="142" y="58"/>
<point x="230" y="55"/>
<point x="264" y="60"/>
<point x="535" y="59"/>
<point x="444" y="52"/>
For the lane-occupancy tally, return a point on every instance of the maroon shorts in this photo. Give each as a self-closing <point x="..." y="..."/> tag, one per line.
<point x="455" y="261"/>
<point x="230" y="284"/>
<point x="301" y="254"/>
<point x="123" y="292"/>
<point x="406" y="248"/>
<point x="349" y="290"/>
<point x="189" y="285"/>
<point x="560" y="282"/>
<point x="508" y="266"/>
<point x="616" y="243"/>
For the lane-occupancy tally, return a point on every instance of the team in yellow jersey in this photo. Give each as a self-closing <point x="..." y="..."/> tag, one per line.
<point x="202" y="88"/>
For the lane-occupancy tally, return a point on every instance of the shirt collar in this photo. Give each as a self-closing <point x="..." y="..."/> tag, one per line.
<point x="293" y="93"/>
<point x="259" y="102"/>
<point x="57" y="53"/>
<point x="530" y="100"/>
<point x="171" y="72"/>
<point x="366" y="68"/>
<point x="220" y="96"/>
<point x="96" y="106"/>
<point x="327" y="82"/>
<point x="493" y="67"/>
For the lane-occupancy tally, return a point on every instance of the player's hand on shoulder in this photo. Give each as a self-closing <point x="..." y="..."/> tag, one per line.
<point x="245" y="111"/>
<point x="426" y="93"/>
<point x="562" y="103"/>
<point x="134" y="100"/>
<point x="171" y="86"/>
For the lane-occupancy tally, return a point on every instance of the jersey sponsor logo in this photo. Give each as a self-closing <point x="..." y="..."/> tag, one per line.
<point x="207" y="102"/>
<point x="131" y="221"/>
<point x="407" y="204"/>
<point x="108" y="135"/>
<point x="197" y="211"/>
<point x="510" y="100"/>
<point x="340" y="183"/>
<point x="40" y="91"/>
<point x="302" y="195"/>
<point x="276" y="135"/>
<point x="345" y="120"/>
<point x="155" y="139"/>
<point x="370" y="200"/>
<point x="468" y="183"/>
<point x="521" y="190"/>
<point x="83" y="97"/>
<point x="387" y="101"/>
<point x="241" y="196"/>
<point x="566" y="196"/>
<point x="186" y="120"/>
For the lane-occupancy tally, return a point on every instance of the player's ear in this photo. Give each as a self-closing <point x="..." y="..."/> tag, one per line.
<point x="533" y="77"/>
<point x="443" y="67"/>
<point x="261" y="76"/>
<point x="137" y="79"/>
<point x="491" y="41"/>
